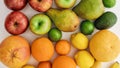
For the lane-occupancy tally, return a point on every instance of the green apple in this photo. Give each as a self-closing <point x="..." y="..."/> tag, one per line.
<point x="65" y="3"/>
<point x="40" y="24"/>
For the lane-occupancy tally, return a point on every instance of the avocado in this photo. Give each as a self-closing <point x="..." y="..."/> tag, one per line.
<point x="105" y="21"/>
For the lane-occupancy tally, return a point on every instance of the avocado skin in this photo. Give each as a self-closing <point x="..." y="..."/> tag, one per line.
<point x="105" y="21"/>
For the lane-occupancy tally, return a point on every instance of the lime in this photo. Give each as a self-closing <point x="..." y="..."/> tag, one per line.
<point x="54" y="34"/>
<point x="109" y="3"/>
<point x="86" y="27"/>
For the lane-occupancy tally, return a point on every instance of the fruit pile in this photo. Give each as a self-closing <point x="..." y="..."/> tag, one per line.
<point x="104" y="45"/>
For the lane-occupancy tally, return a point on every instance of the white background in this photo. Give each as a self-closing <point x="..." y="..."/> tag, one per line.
<point x="30" y="36"/>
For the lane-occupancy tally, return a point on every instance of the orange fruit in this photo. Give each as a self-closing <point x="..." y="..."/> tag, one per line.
<point x="45" y="64"/>
<point x="14" y="51"/>
<point x="63" y="62"/>
<point x="62" y="47"/>
<point x="42" y="49"/>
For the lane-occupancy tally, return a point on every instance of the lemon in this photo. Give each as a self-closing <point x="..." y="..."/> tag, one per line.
<point x="84" y="59"/>
<point x="28" y="66"/>
<point x="115" y="65"/>
<point x="97" y="64"/>
<point x="79" y="41"/>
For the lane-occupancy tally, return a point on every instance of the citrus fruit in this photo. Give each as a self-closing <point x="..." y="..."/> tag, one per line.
<point x="115" y="65"/>
<point x="84" y="59"/>
<point x="54" y="34"/>
<point x="45" y="64"/>
<point x="14" y="51"/>
<point x="97" y="64"/>
<point x="62" y="47"/>
<point x="104" y="46"/>
<point x="79" y="41"/>
<point x="86" y="27"/>
<point x="63" y="62"/>
<point x="42" y="49"/>
<point x="109" y="3"/>
<point x="28" y="66"/>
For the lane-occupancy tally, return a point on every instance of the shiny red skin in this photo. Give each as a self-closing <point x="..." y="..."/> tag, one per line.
<point x="40" y="5"/>
<point x="15" y="4"/>
<point x="16" y="23"/>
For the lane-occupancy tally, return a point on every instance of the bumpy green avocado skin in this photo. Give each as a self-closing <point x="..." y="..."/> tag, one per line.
<point x="65" y="20"/>
<point x="105" y="21"/>
<point x="89" y="9"/>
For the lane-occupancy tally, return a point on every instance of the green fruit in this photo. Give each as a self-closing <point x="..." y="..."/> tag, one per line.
<point x="54" y="34"/>
<point x="40" y="24"/>
<point x="65" y="3"/>
<point x="65" y="20"/>
<point x="89" y="9"/>
<point x="107" y="20"/>
<point x="109" y="3"/>
<point x="86" y="27"/>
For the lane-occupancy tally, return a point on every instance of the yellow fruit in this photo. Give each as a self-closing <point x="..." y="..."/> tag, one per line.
<point x="97" y="64"/>
<point x="115" y="65"/>
<point x="105" y="46"/>
<point x="28" y="66"/>
<point x="63" y="62"/>
<point x="84" y="59"/>
<point x="79" y="41"/>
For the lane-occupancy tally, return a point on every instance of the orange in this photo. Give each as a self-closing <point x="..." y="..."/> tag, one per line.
<point x="45" y="64"/>
<point x="63" y="62"/>
<point x="42" y="49"/>
<point x="62" y="47"/>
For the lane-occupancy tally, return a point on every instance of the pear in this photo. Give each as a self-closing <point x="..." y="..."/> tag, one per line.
<point x="89" y="9"/>
<point x="65" y="20"/>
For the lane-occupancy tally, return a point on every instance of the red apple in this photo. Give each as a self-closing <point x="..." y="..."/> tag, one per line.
<point x="16" y="23"/>
<point x="40" y="5"/>
<point x="15" y="4"/>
